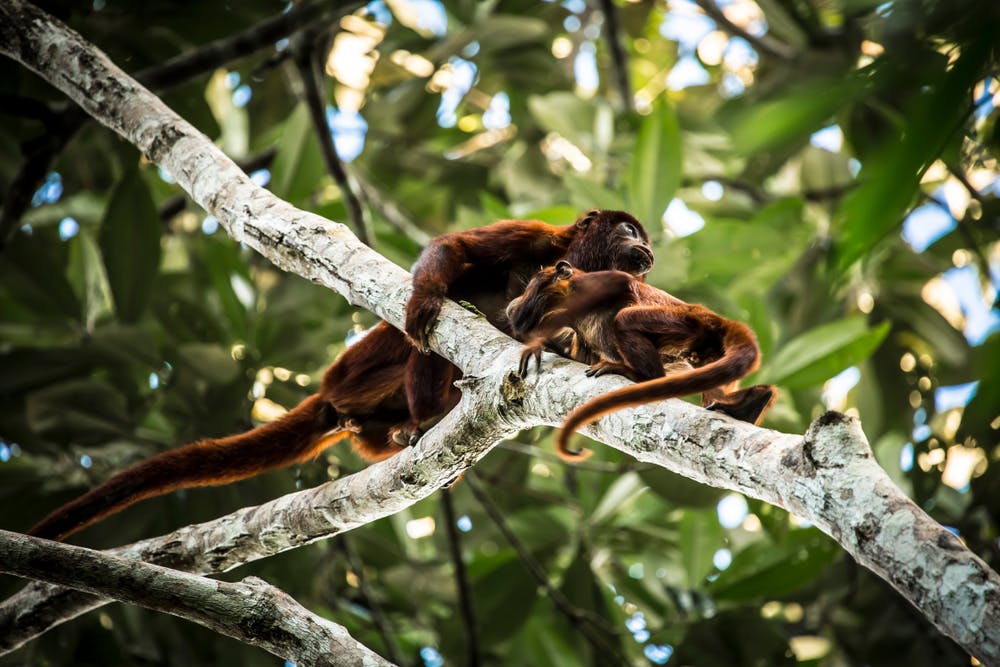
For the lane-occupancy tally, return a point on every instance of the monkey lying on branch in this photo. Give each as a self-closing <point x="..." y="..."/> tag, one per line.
<point x="382" y="391"/>
<point x="634" y="329"/>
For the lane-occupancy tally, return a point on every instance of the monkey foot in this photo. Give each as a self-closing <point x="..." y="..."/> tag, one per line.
<point x="747" y="405"/>
<point x="405" y="435"/>
<point x="349" y="424"/>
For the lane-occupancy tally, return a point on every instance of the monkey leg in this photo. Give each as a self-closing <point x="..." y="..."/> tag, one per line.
<point x="429" y="395"/>
<point x="748" y="405"/>
<point x="639" y="329"/>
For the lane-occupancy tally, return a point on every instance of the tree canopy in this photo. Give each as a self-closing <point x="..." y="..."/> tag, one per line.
<point x="824" y="171"/>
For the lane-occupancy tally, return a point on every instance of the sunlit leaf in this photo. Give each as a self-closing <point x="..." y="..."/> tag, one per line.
<point x="700" y="537"/>
<point x="655" y="170"/>
<point x="819" y="354"/>
<point x="889" y="179"/>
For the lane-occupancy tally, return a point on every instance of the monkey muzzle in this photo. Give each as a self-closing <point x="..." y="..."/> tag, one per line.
<point x="640" y="258"/>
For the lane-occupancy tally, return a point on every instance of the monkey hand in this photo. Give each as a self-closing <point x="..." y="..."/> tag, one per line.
<point x="603" y="367"/>
<point x="532" y="350"/>
<point x="422" y="311"/>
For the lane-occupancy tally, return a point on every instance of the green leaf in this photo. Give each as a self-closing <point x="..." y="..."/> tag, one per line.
<point x="655" y="172"/>
<point x="210" y="361"/>
<point x="571" y="117"/>
<point x="889" y="179"/>
<point x="26" y="369"/>
<point x="770" y="570"/>
<point x="32" y="273"/>
<point x="228" y="274"/>
<point x="624" y="490"/>
<point x="701" y="536"/>
<point x="130" y="243"/>
<point x="81" y="410"/>
<point x="817" y="355"/>
<point x="790" y="118"/>
<point x="298" y="166"/>
<point x="87" y="264"/>
<point x="981" y="414"/>
<point x="679" y="490"/>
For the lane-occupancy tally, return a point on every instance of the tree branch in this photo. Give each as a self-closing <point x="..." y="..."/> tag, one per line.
<point x="592" y="628"/>
<point x="461" y="580"/>
<point x="252" y="610"/>
<point x="305" y="61"/>
<point x="828" y="477"/>
<point x="763" y="44"/>
<point x="619" y="61"/>
<point x="369" y="598"/>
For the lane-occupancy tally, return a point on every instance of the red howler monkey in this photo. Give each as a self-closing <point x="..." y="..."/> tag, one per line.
<point x="381" y="390"/>
<point x="634" y="329"/>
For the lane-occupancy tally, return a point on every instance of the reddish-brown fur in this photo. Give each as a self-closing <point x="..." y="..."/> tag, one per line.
<point x="634" y="329"/>
<point x="381" y="391"/>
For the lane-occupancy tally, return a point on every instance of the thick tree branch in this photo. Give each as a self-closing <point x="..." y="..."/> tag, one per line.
<point x="829" y="476"/>
<point x="251" y="611"/>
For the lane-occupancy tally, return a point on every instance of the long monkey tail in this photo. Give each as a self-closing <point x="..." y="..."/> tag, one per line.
<point x="739" y="358"/>
<point x="298" y="435"/>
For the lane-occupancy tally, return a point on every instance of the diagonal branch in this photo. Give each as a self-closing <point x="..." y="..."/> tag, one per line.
<point x="764" y="44"/>
<point x="461" y="579"/>
<point x="619" y="61"/>
<point x="828" y="476"/>
<point x="305" y="61"/>
<point x="251" y="610"/>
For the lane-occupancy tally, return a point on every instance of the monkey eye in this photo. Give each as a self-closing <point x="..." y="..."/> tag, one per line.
<point x="630" y="230"/>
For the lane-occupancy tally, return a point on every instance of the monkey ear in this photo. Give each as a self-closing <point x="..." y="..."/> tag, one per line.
<point x="587" y="219"/>
<point x="563" y="269"/>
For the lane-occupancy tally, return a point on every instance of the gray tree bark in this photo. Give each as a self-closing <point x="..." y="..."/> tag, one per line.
<point x="828" y="476"/>
<point x="251" y="610"/>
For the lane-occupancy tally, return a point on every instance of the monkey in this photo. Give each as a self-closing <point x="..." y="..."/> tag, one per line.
<point x="381" y="392"/>
<point x="634" y="329"/>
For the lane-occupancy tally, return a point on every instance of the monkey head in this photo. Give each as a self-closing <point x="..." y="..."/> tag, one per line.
<point x="546" y="290"/>
<point x="610" y="240"/>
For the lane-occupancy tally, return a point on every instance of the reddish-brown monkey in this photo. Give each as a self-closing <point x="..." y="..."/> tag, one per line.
<point x="382" y="390"/>
<point x="634" y="329"/>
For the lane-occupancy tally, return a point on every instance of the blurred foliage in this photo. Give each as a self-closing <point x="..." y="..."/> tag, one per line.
<point x="129" y="325"/>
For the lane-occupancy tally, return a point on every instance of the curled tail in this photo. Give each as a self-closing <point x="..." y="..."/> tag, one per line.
<point x="740" y="357"/>
<point x="300" y="434"/>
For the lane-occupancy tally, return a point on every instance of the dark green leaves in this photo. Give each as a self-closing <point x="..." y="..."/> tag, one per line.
<point x="766" y="569"/>
<point x="130" y="244"/>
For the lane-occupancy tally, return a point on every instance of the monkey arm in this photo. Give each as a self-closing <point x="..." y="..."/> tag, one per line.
<point x="444" y="261"/>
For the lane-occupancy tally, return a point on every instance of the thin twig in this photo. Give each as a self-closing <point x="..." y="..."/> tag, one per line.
<point x="619" y="60"/>
<point x="763" y="44"/>
<point x="462" y="580"/>
<point x="305" y="61"/>
<point x="390" y="211"/>
<point x="584" y="621"/>
<point x="982" y="262"/>
<point x="379" y="617"/>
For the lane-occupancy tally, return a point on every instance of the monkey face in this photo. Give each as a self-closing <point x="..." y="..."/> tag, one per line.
<point x="543" y="293"/>
<point x="611" y="240"/>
